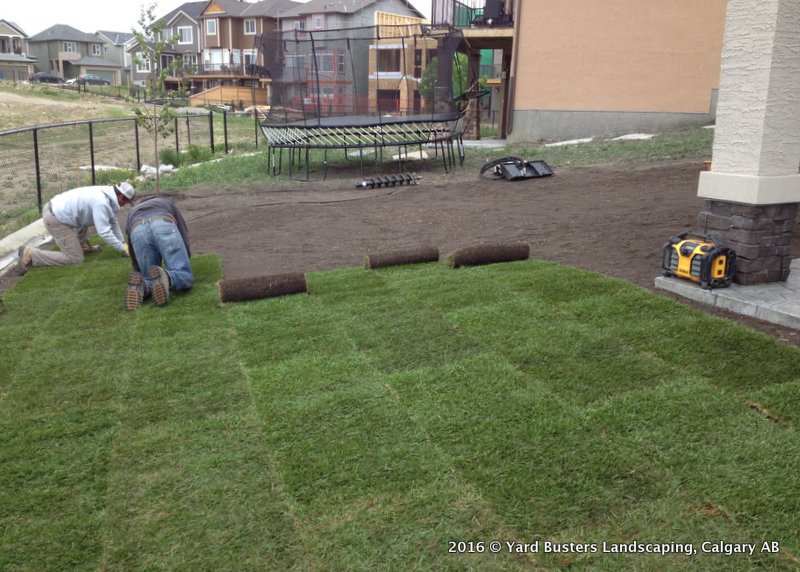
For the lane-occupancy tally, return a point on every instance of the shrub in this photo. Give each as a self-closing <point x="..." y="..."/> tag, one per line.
<point x="169" y="156"/>
<point x="112" y="176"/>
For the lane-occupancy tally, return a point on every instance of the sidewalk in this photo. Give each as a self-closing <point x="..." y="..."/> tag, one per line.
<point x="34" y="234"/>
<point x="777" y="302"/>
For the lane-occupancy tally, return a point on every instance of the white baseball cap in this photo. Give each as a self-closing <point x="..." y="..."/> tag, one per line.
<point x="126" y="190"/>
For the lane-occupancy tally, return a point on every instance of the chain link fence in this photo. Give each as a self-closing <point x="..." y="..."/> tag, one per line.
<point x="40" y="162"/>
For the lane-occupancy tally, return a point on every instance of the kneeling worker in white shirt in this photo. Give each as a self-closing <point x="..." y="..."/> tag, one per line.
<point x="68" y="217"/>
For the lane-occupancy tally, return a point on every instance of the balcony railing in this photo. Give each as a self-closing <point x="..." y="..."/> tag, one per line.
<point x="473" y="13"/>
<point x="248" y="70"/>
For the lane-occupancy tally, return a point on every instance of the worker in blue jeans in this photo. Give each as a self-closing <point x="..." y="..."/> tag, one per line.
<point x="157" y="233"/>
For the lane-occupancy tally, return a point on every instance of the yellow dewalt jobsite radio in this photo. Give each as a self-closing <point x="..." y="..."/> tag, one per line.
<point x="700" y="259"/>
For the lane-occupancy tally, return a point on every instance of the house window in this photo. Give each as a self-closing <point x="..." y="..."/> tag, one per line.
<point x="189" y="61"/>
<point x="299" y="25"/>
<point x="69" y="47"/>
<point x="296" y="65"/>
<point x="317" y="22"/>
<point x="340" y="63"/>
<point x="185" y="35"/>
<point x="324" y="63"/>
<point x="211" y="27"/>
<point x="250" y="27"/>
<point x="167" y="61"/>
<point x="417" y="64"/>
<point x="389" y="60"/>
<point x="142" y="63"/>
<point x="250" y="56"/>
<point x="97" y="50"/>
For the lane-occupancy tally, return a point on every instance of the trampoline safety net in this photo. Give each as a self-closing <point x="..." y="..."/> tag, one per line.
<point x="370" y="86"/>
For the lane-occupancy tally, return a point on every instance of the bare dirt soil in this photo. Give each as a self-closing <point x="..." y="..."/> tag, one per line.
<point x="608" y="219"/>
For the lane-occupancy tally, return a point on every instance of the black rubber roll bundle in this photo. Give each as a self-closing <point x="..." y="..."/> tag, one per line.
<point x="489" y="254"/>
<point x="258" y="287"/>
<point x="407" y="256"/>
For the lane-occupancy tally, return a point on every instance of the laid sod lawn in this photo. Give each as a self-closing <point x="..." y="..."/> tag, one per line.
<point x="386" y="416"/>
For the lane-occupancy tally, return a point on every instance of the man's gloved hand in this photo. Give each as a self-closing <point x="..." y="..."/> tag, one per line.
<point x="125" y="252"/>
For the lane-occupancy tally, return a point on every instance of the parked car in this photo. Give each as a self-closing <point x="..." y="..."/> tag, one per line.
<point x="91" y="79"/>
<point x="44" y="77"/>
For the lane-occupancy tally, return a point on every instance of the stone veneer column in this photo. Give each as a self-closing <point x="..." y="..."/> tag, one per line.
<point x="753" y="191"/>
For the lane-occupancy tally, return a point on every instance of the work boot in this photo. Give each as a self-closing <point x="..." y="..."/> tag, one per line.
<point x="135" y="292"/>
<point x="160" y="287"/>
<point x="25" y="260"/>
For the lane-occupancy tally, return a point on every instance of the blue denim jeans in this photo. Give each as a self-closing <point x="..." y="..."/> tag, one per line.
<point x="155" y="241"/>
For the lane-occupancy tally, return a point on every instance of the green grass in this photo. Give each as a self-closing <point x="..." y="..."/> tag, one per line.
<point x="694" y="142"/>
<point x="684" y="143"/>
<point x="368" y="424"/>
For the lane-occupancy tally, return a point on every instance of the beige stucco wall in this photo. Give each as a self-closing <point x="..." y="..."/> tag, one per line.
<point x="619" y="55"/>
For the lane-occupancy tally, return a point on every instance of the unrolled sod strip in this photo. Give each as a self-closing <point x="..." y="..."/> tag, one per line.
<point x="258" y="287"/>
<point x="489" y="254"/>
<point x="406" y="256"/>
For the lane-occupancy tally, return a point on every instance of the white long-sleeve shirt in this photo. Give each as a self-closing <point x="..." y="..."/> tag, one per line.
<point x="86" y="206"/>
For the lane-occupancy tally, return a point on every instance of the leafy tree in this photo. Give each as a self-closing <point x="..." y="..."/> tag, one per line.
<point x="157" y="118"/>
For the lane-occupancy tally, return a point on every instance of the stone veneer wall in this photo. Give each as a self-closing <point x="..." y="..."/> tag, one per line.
<point x="761" y="236"/>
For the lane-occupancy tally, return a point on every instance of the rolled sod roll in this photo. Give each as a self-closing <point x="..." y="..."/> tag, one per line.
<point x="406" y="256"/>
<point x="258" y="287"/>
<point x="489" y="254"/>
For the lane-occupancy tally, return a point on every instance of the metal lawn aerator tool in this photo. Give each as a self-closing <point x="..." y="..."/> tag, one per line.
<point x="389" y="181"/>
<point x="515" y="169"/>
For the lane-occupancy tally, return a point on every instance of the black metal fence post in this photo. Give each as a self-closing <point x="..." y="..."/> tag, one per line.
<point x="177" y="143"/>
<point x="255" y="121"/>
<point x="91" y="152"/>
<point x="188" y="131"/>
<point x="225" y="128"/>
<point x="38" y="169"/>
<point x="211" y="128"/>
<point x="138" y="152"/>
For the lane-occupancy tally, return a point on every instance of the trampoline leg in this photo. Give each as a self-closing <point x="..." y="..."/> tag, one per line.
<point x="451" y="153"/>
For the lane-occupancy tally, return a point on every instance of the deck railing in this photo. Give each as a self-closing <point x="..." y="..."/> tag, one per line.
<point x="473" y="13"/>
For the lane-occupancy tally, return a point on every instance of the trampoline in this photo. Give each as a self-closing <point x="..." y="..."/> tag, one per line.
<point x="362" y="90"/>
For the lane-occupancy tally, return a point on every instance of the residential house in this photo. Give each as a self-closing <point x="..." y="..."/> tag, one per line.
<point x="114" y="49"/>
<point x="68" y="52"/>
<point x="386" y="70"/>
<point x="337" y="14"/>
<point x="233" y="69"/>
<point x="15" y="65"/>
<point x="182" y="23"/>
<point x="231" y="32"/>
<point x="585" y="68"/>
<point x="397" y="61"/>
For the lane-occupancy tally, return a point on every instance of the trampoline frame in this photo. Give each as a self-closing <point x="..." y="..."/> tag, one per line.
<point x="443" y="132"/>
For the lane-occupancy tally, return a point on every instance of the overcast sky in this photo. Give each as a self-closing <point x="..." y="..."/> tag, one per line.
<point x="34" y="16"/>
